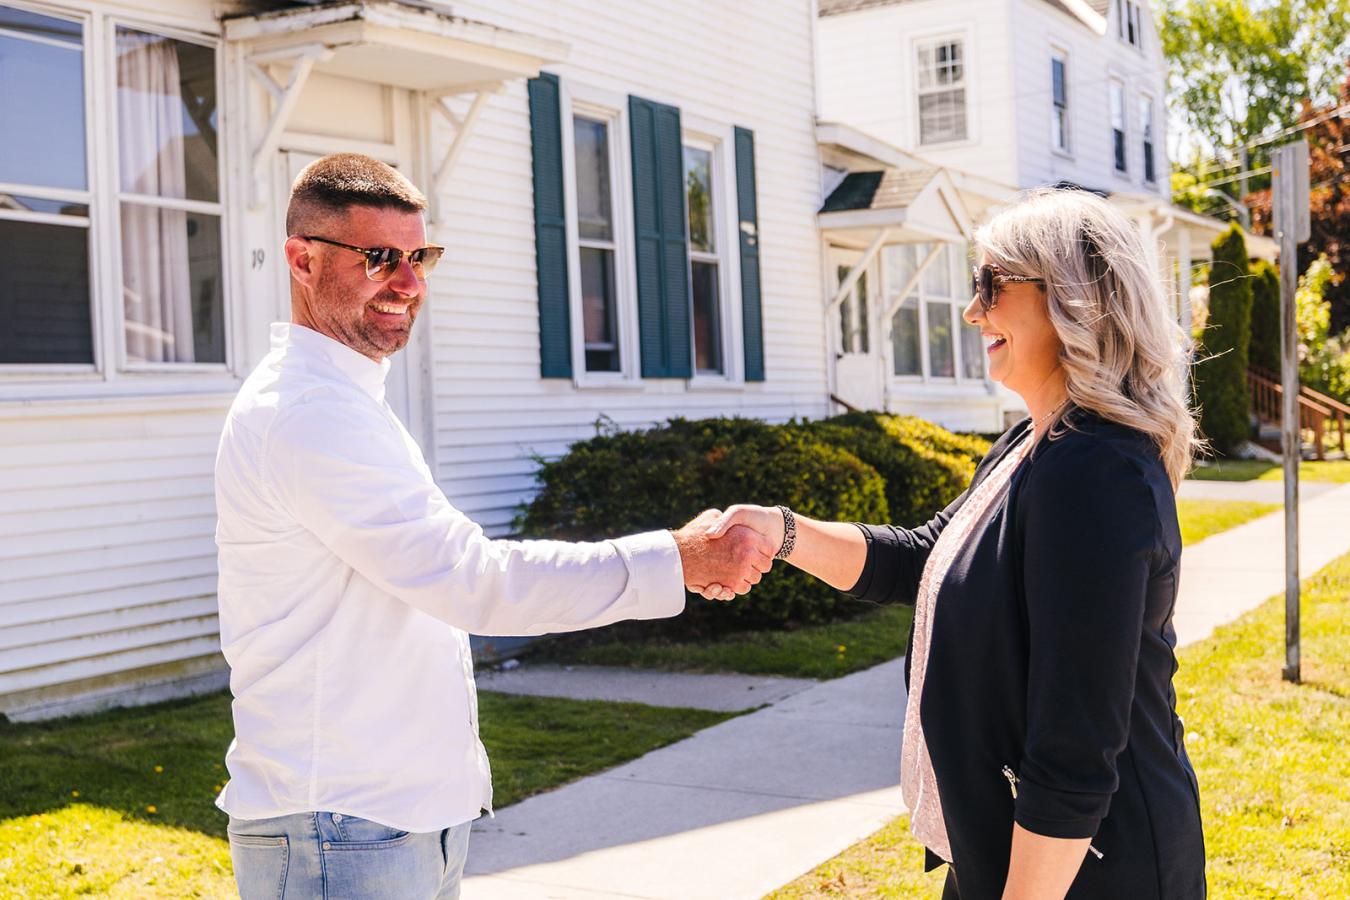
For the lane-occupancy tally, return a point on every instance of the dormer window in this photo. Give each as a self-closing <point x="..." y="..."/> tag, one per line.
<point x="942" y="91"/>
<point x="1130" y="22"/>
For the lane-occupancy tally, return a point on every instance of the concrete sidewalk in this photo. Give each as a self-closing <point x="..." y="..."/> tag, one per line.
<point x="747" y="806"/>
<point x="1254" y="491"/>
<point x="723" y="693"/>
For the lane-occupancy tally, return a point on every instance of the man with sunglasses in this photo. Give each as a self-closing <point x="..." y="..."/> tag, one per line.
<point x="348" y="582"/>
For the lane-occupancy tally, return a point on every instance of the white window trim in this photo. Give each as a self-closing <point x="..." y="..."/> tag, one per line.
<point x="1146" y="98"/>
<point x="109" y="374"/>
<point x="966" y="35"/>
<point x="1114" y="80"/>
<point x="959" y="381"/>
<point x="720" y="140"/>
<point x="580" y="99"/>
<point x="1060" y="53"/>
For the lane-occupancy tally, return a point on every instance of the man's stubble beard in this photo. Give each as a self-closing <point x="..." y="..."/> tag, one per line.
<point x="350" y="326"/>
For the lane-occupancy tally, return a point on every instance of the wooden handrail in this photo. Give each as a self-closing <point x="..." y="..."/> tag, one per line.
<point x="1266" y="400"/>
<point x="1336" y="409"/>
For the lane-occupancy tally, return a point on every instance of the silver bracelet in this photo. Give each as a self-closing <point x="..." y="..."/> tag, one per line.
<point x="789" y="533"/>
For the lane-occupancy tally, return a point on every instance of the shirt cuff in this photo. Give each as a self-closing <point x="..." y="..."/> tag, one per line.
<point x="655" y="574"/>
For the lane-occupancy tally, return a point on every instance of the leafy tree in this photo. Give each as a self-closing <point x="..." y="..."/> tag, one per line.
<point x="1264" y="350"/>
<point x="1328" y="136"/>
<point x="1238" y="68"/>
<point x="1221" y="369"/>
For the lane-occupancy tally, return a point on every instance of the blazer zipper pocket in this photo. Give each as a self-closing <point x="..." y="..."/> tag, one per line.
<point x="1009" y="774"/>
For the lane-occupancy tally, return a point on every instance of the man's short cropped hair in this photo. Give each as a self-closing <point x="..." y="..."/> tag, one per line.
<point x="328" y="187"/>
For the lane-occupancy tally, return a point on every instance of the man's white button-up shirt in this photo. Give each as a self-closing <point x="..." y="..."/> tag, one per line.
<point x="347" y="585"/>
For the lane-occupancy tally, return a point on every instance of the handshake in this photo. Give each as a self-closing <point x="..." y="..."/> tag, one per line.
<point x="726" y="553"/>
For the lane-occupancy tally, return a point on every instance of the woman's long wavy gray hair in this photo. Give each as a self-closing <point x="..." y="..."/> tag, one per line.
<point x="1124" y="355"/>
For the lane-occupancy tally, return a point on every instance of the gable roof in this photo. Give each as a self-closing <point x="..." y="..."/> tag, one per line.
<point x="1085" y="11"/>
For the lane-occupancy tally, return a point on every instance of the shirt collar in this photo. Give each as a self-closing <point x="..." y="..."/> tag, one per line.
<point x="364" y="371"/>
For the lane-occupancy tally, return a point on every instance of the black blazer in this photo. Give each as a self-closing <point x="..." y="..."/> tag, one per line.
<point x="1052" y="655"/>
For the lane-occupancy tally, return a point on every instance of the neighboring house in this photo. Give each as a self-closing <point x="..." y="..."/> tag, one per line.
<point x="984" y="97"/>
<point x="663" y="175"/>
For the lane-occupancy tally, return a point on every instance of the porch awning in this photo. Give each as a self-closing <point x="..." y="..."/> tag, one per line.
<point x="397" y="43"/>
<point x="910" y="205"/>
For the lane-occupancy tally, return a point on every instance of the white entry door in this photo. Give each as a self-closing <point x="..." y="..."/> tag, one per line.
<point x="408" y="378"/>
<point x="857" y="367"/>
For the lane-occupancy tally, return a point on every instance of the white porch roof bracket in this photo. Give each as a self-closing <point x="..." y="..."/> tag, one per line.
<point x="857" y="271"/>
<point x="303" y="60"/>
<point x="463" y="127"/>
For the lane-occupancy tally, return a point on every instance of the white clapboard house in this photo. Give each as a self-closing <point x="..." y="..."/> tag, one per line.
<point x="972" y="99"/>
<point x="651" y="209"/>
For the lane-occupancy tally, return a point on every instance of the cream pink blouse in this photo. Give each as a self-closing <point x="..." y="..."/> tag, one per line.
<point x="917" y="783"/>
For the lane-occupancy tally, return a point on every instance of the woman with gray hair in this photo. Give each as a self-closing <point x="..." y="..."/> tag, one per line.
<point x="1043" y="757"/>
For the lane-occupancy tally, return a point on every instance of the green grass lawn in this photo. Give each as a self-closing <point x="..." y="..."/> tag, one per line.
<point x="1202" y="518"/>
<point x="1337" y="471"/>
<point x="120" y="804"/>
<point x="837" y="648"/>
<point x="1274" y="773"/>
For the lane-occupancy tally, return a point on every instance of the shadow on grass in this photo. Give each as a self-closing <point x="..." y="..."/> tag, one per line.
<point x="168" y="757"/>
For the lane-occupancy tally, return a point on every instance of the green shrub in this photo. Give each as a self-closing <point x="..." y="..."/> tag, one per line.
<point x="1221" y="368"/>
<point x="1324" y="359"/>
<point x="1264" y="350"/>
<point x="660" y="478"/>
<point x="925" y="467"/>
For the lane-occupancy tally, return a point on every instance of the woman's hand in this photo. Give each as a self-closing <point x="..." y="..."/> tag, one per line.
<point x="767" y="520"/>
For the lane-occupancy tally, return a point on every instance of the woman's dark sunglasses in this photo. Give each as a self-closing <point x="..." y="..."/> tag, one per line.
<point x="989" y="281"/>
<point x="382" y="262"/>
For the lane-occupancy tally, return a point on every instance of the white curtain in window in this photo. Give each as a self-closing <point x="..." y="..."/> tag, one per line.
<point x="156" y="287"/>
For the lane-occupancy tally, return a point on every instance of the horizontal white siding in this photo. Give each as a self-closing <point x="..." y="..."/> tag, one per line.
<point x="107" y="557"/>
<point x="746" y="64"/>
<point x="867" y="78"/>
<point x="1093" y="61"/>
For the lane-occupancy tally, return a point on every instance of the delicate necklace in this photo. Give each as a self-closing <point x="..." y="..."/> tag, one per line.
<point x="1042" y="420"/>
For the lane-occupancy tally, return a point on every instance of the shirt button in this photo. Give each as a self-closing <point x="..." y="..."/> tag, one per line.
<point x="327" y="846"/>
<point x="337" y="817"/>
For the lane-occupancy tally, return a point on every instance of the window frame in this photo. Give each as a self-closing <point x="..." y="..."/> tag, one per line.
<point x="111" y="374"/>
<point x="965" y="37"/>
<point x="1060" y="55"/>
<point x="594" y="103"/>
<point x="957" y="257"/>
<point x="1148" y="140"/>
<point x="719" y="139"/>
<point x="1114" y="82"/>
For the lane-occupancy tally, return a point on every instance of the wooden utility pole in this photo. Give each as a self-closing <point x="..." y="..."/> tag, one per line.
<point x="1293" y="226"/>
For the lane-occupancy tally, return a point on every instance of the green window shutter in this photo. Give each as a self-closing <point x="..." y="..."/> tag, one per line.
<point x="752" y="320"/>
<point x="662" y="249"/>
<point x="550" y="228"/>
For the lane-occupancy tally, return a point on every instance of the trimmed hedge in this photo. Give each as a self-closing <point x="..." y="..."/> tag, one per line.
<point x="925" y="467"/>
<point x="857" y="467"/>
<point x="642" y="480"/>
<point x="1264" y="350"/>
<point x="1221" y="370"/>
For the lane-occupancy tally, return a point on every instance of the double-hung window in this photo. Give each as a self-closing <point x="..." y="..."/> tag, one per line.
<point x="941" y="69"/>
<point x="1059" y="98"/>
<point x="597" y="247"/>
<point x="1146" y="131"/>
<point x="1130" y="22"/>
<point x="929" y="340"/>
<point x="112" y="237"/>
<point x="1117" y="89"/>
<point x="702" y="177"/>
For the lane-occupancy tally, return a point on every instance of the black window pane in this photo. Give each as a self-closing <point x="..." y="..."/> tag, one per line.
<point x="44" y="296"/>
<point x="941" y="356"/>
<point x="41" y="101"/>
<point x="905" y="339"/>
<point x="597" y="310"/>
<point x="707" y="319"/>
<point x="1118" y="141"/>
<point x="171" y="286"/>
<point x="594" y="209"/>
<point x="166" y="113"/>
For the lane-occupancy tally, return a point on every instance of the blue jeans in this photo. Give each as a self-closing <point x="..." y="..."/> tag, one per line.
<point x="337" y="857"/>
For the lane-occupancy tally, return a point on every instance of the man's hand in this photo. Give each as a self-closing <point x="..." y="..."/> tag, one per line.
<point x="734" y="561"/>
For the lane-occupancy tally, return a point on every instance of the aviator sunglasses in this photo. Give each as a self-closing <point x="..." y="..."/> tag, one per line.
<point x="382" y="262"/>
<point x="989" y="280"/>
